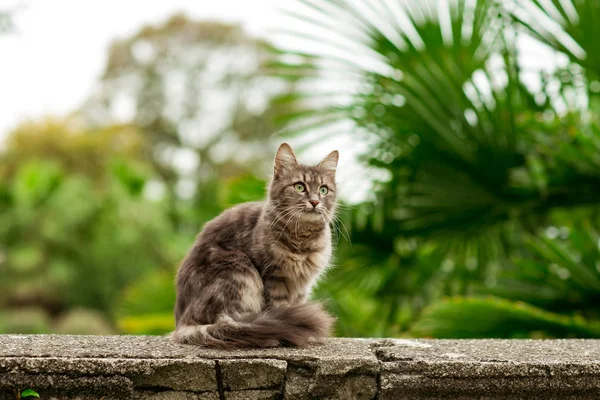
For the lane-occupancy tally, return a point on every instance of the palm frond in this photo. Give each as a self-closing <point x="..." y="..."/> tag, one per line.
<point x="497" y="318"/>
<point x="569" y="26"/>
<point x="441" y="88"/>
<point x="481" y="150"/>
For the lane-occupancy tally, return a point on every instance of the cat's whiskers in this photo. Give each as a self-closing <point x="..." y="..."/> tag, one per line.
<point x="298" y="220"/>
<point x="344" y="207"/>
<point x="336" y="229"/>
<point x="340" y="222"/>
<point x="336" y="222"/>
<point x="288" y="221"/>
<point x="281" y="215"/>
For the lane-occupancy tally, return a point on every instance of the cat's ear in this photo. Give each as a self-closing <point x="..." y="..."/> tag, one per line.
<point x="330" y="162"/>
<point x="285" y="158"/>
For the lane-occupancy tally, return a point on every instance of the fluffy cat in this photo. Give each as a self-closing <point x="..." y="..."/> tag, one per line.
<point x="246" y="281"/>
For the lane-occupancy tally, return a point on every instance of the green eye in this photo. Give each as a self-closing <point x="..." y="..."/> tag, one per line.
<point x="299" y="187"/>
<point x="323" y="190"/>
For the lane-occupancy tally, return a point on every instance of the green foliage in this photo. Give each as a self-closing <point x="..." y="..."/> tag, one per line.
<point x="240" y="189"/>
<point x="29" y="393"/>
<point x="559" y="269"/>
<point x="107" y="234"/>
<point x="74" y="234"/>
<point x="491" y="317"/>
<point x="483" y="159"/>
<point x="147" y="305"/>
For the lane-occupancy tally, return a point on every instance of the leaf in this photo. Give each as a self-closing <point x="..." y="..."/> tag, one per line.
<point x="29" y="393"/>
<point x="498" y="318"/>
<point x="569" y="26"/>
<point x="36" y="181"/>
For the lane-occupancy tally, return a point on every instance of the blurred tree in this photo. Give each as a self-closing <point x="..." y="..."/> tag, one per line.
<point x="486" y="153"/>
<point x="75" y="226"/>
<point x="196" y="91"/>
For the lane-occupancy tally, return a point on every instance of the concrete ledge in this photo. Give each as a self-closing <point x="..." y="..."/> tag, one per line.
<point x="144" y="367"/>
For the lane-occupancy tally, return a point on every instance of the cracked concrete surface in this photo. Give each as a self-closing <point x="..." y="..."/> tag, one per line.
<point x="147" y="367"/>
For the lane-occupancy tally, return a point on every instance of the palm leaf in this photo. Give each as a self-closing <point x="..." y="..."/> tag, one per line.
<point x="569" y="26"/>
<point x="497" y="318"/>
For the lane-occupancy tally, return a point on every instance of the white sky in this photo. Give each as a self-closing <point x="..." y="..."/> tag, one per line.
<point x="50" y="64"/>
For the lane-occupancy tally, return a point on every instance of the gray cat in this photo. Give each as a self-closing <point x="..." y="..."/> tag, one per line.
<point x="246" y="281"/>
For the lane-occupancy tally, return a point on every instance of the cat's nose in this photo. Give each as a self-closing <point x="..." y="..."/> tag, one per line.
<point x="314" y="203"/>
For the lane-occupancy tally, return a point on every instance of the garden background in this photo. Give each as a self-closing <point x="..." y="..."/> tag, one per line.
<point x="470" y="171"/>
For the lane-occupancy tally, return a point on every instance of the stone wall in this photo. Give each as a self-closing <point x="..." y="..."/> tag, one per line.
<point x="140" y="367"/>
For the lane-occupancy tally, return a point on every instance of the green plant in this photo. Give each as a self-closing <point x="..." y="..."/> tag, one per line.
<point x="75" y="227"/>
<point x="482" y="154"/>
<point x="27" y="393"/>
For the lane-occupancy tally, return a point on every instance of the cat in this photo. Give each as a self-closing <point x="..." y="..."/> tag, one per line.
<point x="246" y="281"/>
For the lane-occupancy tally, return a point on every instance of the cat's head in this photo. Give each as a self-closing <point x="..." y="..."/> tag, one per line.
<point x="306" y="191"/>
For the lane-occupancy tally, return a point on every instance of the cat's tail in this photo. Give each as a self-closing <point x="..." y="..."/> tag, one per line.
<point x="296" y="325"/>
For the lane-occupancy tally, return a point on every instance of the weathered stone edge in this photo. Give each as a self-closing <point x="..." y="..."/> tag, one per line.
<point x="414" y="378"/>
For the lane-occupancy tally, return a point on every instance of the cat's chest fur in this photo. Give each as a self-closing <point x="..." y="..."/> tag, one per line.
<point x="300" y="271"/>
<point x="302" y="266"/>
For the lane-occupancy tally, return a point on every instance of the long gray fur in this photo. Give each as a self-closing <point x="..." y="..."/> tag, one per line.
<point x="246" y="281"/>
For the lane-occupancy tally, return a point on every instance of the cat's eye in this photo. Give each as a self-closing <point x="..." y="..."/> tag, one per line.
<point x="323" y="190"/>
<point x="299" y="187"/>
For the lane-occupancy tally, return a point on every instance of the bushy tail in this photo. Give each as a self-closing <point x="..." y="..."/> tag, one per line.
<point x="296" y="325"/>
